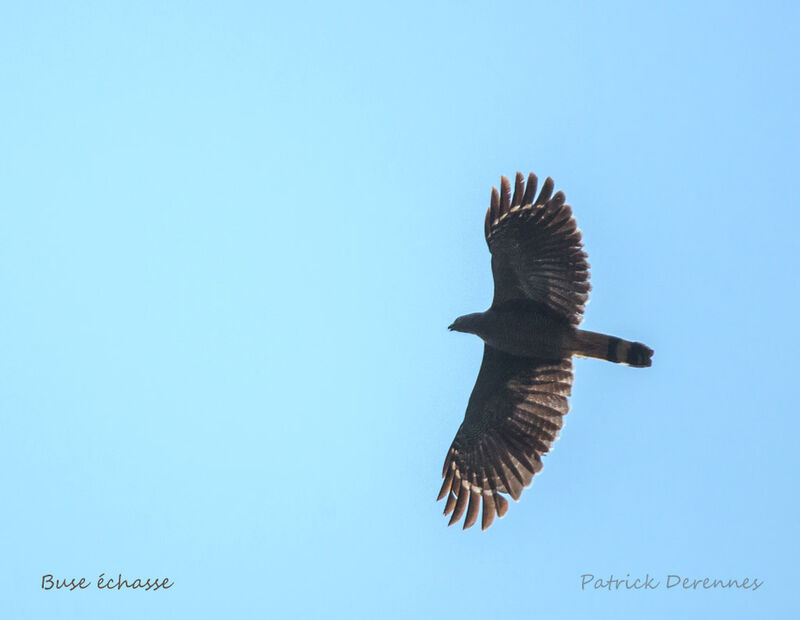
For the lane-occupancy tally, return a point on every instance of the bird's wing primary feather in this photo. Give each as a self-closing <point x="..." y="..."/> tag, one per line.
<point x="537" y="254"/>
<point x="514" y="415"/>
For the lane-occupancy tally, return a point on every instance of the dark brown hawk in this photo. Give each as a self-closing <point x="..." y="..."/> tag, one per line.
<point x="530" y="333"/>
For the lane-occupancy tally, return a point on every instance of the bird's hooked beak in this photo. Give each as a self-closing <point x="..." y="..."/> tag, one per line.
<point x="452" y="327"/>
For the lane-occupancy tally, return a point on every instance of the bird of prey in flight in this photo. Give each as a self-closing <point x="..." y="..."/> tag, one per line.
<point x="530" y="333"/>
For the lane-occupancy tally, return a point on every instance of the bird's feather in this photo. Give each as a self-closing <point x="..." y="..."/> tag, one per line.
<point x="514" y="415"/>
<point x="537" y="253"/>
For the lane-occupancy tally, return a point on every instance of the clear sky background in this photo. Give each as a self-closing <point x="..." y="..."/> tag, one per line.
<point x="232" y="236"/>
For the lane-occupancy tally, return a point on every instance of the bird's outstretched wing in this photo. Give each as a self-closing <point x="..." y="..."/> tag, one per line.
<point x="514" y="415"/>
<point x="537" y="254"/>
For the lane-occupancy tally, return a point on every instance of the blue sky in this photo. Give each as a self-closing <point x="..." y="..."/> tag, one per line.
<point x="232" y="237"/>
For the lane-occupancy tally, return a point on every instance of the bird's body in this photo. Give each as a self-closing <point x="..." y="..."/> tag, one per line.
<point x="524" y="332"/>
<point x="541" y="286"/>
<point x="532" y="332"/>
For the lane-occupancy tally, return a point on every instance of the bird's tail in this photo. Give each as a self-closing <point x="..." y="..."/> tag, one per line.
<point x="611" y="348"/>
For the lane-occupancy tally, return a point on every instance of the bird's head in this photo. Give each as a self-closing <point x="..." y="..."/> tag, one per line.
<point x="469" y="323"/>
